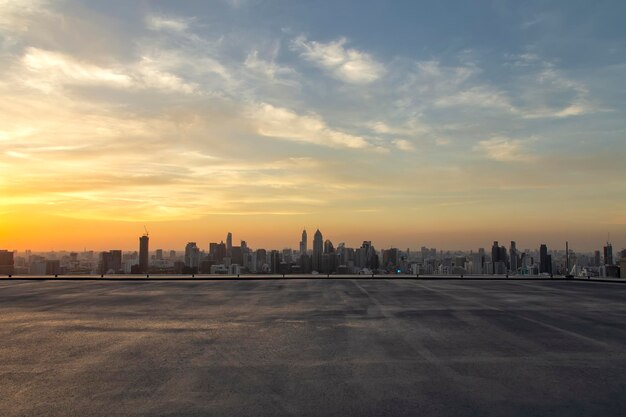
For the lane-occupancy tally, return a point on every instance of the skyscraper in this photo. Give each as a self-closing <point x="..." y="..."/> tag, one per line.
<point x="514" y="257"/>
<point x="229" y="244"/>
<point x="274" y="261"/>
<point x="495" y="256"/>
<point x="545" y="264"/>
<point x="143" y="254"/>
<point x="608" y="254"/>
<point x="303" y="243"/>
<point x="318" y="250"/>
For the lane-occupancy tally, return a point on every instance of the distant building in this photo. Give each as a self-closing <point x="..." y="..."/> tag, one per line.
<point x="597" y="261"/>
<point x="498" y="259"/>
<point x="229" y="244"/>
<point x="261" y="260"/>
<point x="478" y="261"/>
<point x="217" y="251"/>
<point x="111" y="262"/>
<point x="144" y="255"/>
<point x="6" y="262"/>
<point x="608" y="254"/>
<point x="274" y="262"/>
<point x="514" y="257"/>
<point x="391" y="258"/>
<point x="545" y="260"/>
<point x="318" y="250"/>
<point x="236" y="257"/>
<point x="305" y="263"/>
<point x="303" y="242"/>
<point x="192" y="255"/>
<point x="45" y="267"/>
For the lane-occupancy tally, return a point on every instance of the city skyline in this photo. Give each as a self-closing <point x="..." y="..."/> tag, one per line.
<point x="231" y="239"/>
<point x="403" y="123"/>
<point x="325" y="257"/>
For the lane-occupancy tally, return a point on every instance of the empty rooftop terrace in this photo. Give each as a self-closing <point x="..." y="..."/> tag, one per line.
<point x="325" y="347"/>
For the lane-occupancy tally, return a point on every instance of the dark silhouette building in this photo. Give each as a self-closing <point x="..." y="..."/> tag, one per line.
<point x="6" y="262"/>
<point x="597" y="260"/>
<point x="111" y="262"/>
<point x="275" y="262"/>
<point x="217" y="251"/>
<point x="303" y="242"/>
<point x="608" y="254"/>
<point x="229" y="244"/>
<point x="318" y="250"/>
<point x="236" y="257"/>
<point x="391" y="259"/>
<point x="143" y="254"/>
<point x="192" y="255"/>
<point x="545" y="260"/>
<point x="514" y="257"/>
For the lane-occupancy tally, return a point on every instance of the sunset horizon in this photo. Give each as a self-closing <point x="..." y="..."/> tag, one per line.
<point x="312" y="208"/>
<point x="260" y="118"/>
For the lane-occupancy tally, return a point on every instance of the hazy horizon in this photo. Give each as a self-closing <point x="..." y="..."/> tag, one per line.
<point x="131" y="243"/>
<point x="443" y="124"/>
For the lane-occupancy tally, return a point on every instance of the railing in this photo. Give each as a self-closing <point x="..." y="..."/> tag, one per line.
<point x="217" y="277"/>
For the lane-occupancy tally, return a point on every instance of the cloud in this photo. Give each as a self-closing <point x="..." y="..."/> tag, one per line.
<point x="442" y="141"/>
<point x="15" y="14"/>
<point x="150" y="75"/>
<point x="56" y="68"/>
<point x="346" y="64"/>
<point x="404" y="145"/>
<point x="575" y="109"/>
<point x="154" y="22"/>
<point x="411" y="127"/>
<point x="268" y="69"/>
<point x="474" y="97"/>
<point x="50" y="70"/>
<point x="282" y="123"/>
<point x="504" y="149"/>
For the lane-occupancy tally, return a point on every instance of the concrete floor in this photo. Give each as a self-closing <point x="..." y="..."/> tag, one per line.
<point x="313" y="347"/>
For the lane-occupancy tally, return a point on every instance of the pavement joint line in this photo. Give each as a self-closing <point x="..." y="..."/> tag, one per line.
<point x="535" y="321"/>
<point x="419" y="348"/>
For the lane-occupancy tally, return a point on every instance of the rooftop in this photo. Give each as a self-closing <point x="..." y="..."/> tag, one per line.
<point x="313" y="347"/>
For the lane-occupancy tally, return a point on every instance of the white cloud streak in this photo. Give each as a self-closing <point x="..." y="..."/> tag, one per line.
<point x="346" y="64"/>
<point x="503" y="149"/>
<point x="154" y="22"/>
<point x="51" y="70"/>
<point x="282" y="123"/>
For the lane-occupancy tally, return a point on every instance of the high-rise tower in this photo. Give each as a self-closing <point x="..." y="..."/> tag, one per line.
<point x="608" y="254"/>
<point x="495" y="256"/>
<point x="514" y="257"/>
<point x="143" y="254"/>
<point x="318" y="250"/>
<point x="545" y="261"/>
<point x="303" y="243"/>
<point x="229" y="244"/>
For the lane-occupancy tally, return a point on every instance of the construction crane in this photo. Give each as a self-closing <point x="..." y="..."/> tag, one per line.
<point x="146" y="229"/>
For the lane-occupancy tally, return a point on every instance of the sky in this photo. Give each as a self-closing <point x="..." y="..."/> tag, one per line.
<point x="449" y="124"/>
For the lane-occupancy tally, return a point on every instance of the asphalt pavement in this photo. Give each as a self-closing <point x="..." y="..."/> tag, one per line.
<point x="350" y="347"/>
